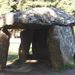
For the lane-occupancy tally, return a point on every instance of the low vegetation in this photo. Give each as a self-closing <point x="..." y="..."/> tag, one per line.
<point x="61" y="68"/>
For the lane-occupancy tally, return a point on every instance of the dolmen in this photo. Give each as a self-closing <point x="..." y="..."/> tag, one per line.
<point x="50" y="30"/>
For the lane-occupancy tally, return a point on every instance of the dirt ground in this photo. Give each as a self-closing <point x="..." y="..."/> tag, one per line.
<point x="34" y="69"/>
<point x="40" y="72"/>
<point x="32" y="66"/>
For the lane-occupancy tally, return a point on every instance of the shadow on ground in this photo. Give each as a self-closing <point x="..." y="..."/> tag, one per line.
<point x="32" y="63"/>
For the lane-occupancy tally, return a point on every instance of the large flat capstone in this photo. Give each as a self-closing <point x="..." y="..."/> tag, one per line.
<point x="37" y="17"/>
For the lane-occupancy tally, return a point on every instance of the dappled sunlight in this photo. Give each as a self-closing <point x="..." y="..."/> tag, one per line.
<point x="28" y="65"/>
<point x="31" y="61"/>
<point x="21" y="51"/>
<point x="8" y="63"/>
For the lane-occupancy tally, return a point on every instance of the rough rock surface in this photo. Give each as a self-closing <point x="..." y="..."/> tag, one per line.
<point x="61" y="45"/>
<point x="26" y="38"/>
<point x="4" y="45"/>
<point x="38" y="37"/>
<point x="37" y="16"/>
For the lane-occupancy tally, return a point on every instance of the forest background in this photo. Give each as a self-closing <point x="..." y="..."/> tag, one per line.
<point x="7" y="6"/>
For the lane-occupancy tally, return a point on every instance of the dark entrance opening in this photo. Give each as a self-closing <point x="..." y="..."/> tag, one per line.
<point x="40" y="48"/>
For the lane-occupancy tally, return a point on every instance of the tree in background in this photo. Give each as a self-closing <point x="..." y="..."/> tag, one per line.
<point x="15" y="31"/>
<point x="7" y="6"/>
<point x="68" y="6"/>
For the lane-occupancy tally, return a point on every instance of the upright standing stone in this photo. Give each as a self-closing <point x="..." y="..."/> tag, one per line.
<point x="61" y="45"/>
<point x="26" y="38"/>
<point x="4" y="44"/>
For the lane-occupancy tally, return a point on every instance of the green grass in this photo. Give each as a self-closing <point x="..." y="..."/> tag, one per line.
<point x="61" y="68"/>
<point x="18" y="61"/>
<point x="12" y="55"/>
<point x="65" y="67"/>
<point x="73" y="64"/>
<point x="11" y="52"/>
